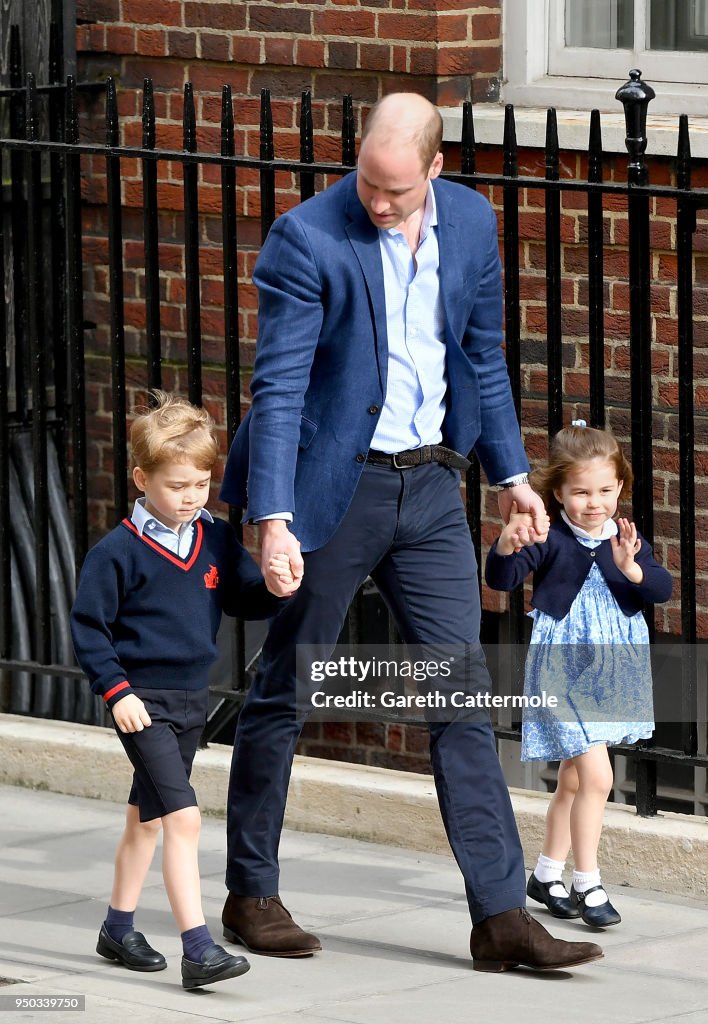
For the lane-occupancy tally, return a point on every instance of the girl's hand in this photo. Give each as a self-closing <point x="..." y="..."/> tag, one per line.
<point x="522" y="530"/>
<point x="625" y="546"/>
<point x="279" y="565"/>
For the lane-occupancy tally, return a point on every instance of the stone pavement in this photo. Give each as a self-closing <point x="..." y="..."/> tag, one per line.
<point x="394" y="927"/>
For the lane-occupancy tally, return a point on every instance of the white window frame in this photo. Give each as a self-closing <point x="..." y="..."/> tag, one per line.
<point x="658" y="65"/>
<point x="584" y="78"/>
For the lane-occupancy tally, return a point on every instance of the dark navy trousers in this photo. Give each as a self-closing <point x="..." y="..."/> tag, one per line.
<point x="407" y="530"/>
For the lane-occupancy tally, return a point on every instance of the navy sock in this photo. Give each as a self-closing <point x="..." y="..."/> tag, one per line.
<point x="195" y="941"/>
<point x="118" y="923"/>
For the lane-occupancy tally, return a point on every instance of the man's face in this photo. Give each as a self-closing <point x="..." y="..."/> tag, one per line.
<point x="391" y="181"/>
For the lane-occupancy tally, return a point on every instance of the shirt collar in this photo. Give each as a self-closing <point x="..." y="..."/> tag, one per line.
<point x="430" y="216"/>
<point x="142" y="519"/>
<point x="609" y="529"/>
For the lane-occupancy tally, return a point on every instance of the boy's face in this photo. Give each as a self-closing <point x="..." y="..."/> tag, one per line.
<point x="174" y="492"/>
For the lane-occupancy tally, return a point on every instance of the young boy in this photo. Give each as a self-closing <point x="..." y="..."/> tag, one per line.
<point x="144" y="624"/>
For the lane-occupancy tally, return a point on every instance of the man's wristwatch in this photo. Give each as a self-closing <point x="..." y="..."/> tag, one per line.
<point x="514" y="481"/>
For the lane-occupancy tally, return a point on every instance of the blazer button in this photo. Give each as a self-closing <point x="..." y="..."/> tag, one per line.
<point x="373" y="409"/>
<point x="361" y="458"/>
<point x="592" y="554"/>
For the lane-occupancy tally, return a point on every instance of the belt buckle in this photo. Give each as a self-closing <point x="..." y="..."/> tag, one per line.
<point x="394" y="457"/>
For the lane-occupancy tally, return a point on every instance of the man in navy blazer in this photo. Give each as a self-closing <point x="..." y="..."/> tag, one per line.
<point x="378" y="369"/>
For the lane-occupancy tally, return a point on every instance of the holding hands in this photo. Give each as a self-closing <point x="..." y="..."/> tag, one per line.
<point x="522" y="529"/>
<point x="281" y="561"/>
<point x="625" y="545"/>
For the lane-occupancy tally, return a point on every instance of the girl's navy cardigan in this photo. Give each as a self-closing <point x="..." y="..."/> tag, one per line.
<point x="562" y="565"/>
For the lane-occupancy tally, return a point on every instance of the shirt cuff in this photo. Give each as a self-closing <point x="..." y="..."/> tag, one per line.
<point x="287" y="517"/>
<point x="513" y="481"/>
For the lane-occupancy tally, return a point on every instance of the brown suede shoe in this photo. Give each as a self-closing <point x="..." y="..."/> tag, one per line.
<point x="263" y="925"/>
<point x="514" y="938"/>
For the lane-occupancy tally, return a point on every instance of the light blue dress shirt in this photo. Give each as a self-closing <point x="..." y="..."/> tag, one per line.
<point x="414" y="407"/>
<point x="178" y="542"/>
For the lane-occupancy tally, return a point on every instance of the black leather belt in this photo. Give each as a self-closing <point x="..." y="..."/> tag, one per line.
<point x="419" y="457"/>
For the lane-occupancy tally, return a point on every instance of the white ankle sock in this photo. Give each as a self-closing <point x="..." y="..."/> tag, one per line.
<point x="584" y="880"/>
<point x="548" y="870"/>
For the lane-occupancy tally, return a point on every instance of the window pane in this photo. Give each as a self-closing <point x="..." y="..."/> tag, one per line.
<point x="608" y="24"/>
<point x="678" y="25"/>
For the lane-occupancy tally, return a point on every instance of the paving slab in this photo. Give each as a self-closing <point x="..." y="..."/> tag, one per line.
<point x="393" y="922"/>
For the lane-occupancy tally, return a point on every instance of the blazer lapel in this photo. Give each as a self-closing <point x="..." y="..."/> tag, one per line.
<point x="451" y="261"/>
<point x="364" y="239"/>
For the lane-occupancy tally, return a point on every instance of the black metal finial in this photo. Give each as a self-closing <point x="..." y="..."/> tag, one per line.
<point x="635" y="96"/>
<point x="189" y="120"/>
<point x="148" y="114"/>
<point x="307" y="145"/>
<point x="228" y="144"/>
<point x="112" y="126"/>
<point x="467" y="140"/>
<point x="348" y="132"/>
<point x="267" y="149"/>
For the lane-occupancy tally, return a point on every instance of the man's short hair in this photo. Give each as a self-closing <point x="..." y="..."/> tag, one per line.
<point x="173" y="431"/>
<point x="425" y="136"/>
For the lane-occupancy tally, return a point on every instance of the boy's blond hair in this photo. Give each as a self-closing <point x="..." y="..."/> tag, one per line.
<point x="173" y="431"/>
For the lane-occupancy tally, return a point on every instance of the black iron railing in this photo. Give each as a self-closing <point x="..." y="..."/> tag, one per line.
<point x="46" y="394"/>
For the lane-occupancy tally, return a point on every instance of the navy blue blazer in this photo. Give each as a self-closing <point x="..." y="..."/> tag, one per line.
<point x="562" y="564"/>
<point x="319" y="379"/>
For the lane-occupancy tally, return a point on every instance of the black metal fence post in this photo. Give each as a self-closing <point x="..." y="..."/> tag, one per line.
<point x="267" y="174"/>
<point x="685" y="226"/>
<point x="596" y="278"/>
<point x="117" y="292"/>
<point x="553" y="279"/>
<point x="191" y="252"/>
<point x="473" y="478"/>
<point x="18" y="215"/>
<point x="75" y="326"/>
<point x="151" y="242"/>
<point x="5" y="550"/>
<point x="635" y="96"/>
<point x="37" y="344"/>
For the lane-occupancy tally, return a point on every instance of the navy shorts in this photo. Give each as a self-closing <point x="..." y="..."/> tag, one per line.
<point x="162" y="754"/>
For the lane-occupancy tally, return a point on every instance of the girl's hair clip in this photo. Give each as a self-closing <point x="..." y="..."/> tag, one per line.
<point x="578" y="423"/>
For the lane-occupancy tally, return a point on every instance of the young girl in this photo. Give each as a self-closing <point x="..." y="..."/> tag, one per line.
<point x="589" y="649"/>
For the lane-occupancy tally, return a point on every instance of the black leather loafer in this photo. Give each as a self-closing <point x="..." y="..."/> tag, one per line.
<point x="598" y="917"/>
<point x="559" y="906"/>
<point x="215" y="965"/>
<point x="133" y="952"/>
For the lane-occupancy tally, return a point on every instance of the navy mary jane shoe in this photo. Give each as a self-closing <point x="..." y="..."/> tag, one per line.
<point x="559" y="906"/>
<point x="598" y="917"/>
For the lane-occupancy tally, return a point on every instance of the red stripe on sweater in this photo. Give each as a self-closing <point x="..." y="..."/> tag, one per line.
<point x="116" y="689"/>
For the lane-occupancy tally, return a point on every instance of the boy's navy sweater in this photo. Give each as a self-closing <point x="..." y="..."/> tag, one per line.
<point x="146" y="617"/>
<point x="562" y="565"/>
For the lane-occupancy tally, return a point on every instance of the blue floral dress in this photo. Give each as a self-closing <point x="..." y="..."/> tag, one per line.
<point x="596" y="663"/>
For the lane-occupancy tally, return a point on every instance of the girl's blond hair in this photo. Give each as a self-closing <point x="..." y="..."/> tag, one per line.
<point x="570" y="447"/>
<point x="173" y="430"/>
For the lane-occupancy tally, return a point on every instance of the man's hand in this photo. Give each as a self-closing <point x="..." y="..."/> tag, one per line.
<point x="130" y="714"/>
<point x="526" y="501"/>
<point x="277" y="541"/>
